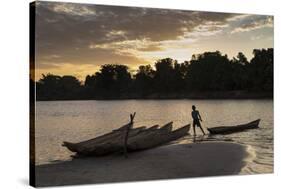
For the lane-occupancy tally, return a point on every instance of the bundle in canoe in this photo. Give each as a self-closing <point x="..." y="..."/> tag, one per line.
<point x="233" y="129"/>
<point x="138" y="139"/>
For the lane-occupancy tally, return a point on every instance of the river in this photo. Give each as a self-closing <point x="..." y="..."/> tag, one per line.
<point x="58" y="121"/>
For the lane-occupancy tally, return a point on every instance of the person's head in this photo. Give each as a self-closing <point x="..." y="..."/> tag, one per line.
<point x="193" y="107"/>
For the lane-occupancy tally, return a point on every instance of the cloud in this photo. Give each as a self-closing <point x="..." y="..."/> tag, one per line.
<point x="64" y="27"/>
<point x="254" y="23"/>
<point x="238" y="17"/>
<point x="85" y="34"/>
<point x="207" y="29"/>
<point x="73" y="9"/>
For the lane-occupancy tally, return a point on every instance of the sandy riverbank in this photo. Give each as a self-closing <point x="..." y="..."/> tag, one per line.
<point x="166" y="162"/>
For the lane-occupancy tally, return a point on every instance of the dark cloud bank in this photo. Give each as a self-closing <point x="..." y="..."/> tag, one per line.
<point x="94" y="34"/>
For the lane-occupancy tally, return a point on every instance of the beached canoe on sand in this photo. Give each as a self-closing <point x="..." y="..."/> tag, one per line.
<point x="233" y="129"/>
<point x="138" y="139"/>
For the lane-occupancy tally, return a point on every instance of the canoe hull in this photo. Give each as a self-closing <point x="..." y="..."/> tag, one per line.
<point x="156" y="139"/>
<point x="138" y="140"/>
<point x="234" y="129"/>
<point x="117" y="144"/>
<point x="84" y="146"/>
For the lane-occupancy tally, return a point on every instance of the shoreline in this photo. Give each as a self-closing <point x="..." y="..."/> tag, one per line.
<point x="214" y="95"/>
<point x="171" y="161"/>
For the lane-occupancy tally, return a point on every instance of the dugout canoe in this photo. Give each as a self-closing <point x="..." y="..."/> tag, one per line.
<point x="113" y="135"/>
<point x="138" y="139"/>
<point x="157" y="138"/>
<point x="117" y="145"/>
<point x="233" y="129"/>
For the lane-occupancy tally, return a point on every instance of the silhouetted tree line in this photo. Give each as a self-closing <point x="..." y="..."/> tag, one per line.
<point x="203" y="74"/>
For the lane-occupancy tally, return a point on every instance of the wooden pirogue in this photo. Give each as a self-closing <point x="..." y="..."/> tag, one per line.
<point x="128" y="139"/>
<point x="233" y="129"/>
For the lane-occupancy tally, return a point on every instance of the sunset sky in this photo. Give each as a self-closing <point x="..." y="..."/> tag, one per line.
<point x="75" y="39"/>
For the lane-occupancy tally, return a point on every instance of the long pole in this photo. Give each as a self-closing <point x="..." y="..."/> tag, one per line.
<point x="130" y="125"/>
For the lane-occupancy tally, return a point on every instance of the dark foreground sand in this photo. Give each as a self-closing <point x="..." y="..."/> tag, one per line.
<point x="166" y="162"/>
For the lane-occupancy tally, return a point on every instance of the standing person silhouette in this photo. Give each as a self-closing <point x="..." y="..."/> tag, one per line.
<point x="196" y="119"/>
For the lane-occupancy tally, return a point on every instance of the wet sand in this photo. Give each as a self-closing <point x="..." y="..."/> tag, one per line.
<point x="165" y="162"/>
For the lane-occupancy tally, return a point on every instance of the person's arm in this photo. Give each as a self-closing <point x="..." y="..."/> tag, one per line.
<point x="199" y="116"/>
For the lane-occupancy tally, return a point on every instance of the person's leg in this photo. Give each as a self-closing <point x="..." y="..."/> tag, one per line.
<point x="199" y="125"/>
<point x="194" y="132"/>
<point x="202" y="130"/>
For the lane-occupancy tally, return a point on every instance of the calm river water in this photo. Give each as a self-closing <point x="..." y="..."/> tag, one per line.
<point x="58" y="121"/>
